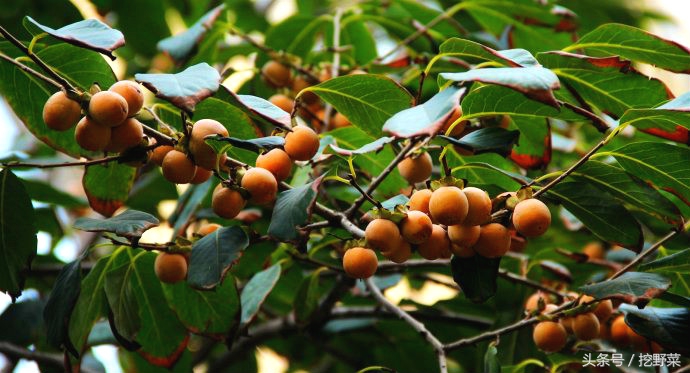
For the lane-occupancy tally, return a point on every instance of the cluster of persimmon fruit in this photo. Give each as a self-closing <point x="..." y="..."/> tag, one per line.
<point x="595" y="322"/>
<point x="108" y="124"/>
<point x="444" y="221"/>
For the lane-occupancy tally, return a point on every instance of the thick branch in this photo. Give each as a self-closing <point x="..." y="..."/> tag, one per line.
<point x="17" y="352"/>
<point x="414" y="323"/>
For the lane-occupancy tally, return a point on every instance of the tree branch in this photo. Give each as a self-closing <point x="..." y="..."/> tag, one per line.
<point x="367" y="311"/>
<point x="17" y="352"/>
<point x="30" y="71"/>
<point x="91" y="162"/>
<point x="597" y="122"/>
<point x="414" y="323"/>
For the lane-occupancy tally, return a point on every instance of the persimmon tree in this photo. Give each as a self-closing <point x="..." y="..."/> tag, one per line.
<point x="509" y="151"/>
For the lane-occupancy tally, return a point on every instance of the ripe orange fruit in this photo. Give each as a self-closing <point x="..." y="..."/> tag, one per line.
<point x="448" y="205"/>
<point x="594" y="250"/>
<point x="549" y="336"/>
<point x="91" y="136"/>
<point x="201" y="175"/>
<point x="261" y="184"/>
<point x="127" y="135"/>
<point x="277" y="162"/>
<point x="60" y="112"/>
<point x="419" y="201"/>
<point x="416" y="228"/>
<point x="159" y="153"/>
<point x="227" y="203"/>
<point x="531" y="217"/>
<point x="586" y="326"/>
<point x="204" y="155"/>
<point x="619" y="332"/>
<point x="437" y="244"/>
<point x="208" y="229"/>
<point x="479" y="206"/>
<point x="276" y="74"/>
<point x="464" y="235"/>
<point x="170" y="268"/>
<point x="416" y="169"/>
<point x="301" y="143"/>
<point x="178" y="168"/>
<point x="283" y="102"/>
<point x="400" y="251"/>
<point x="493" y="242"/>
<point x="360" y="262"/>
<point x="108" y="108"/>
<point x="382" y="234"/>
<point x="132" y="93"/>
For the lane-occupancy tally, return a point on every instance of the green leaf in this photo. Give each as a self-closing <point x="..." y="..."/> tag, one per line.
<point x="45" y="192"/>
<point x="425" y="119"/>
<point x="491" y="363"/>
<point x="367" y="100"/>
<point x="130" y="224"/>
<point x="494" y="100"/>
<point x="142" y="29"/>
<point x="599" y="212"/>
<point x="60" y="304"/>
<point x="184" y="89"/>
<point x="632" y="287"/>
<point x="374" y="146"/>
<point x="476" y="276"/>
<point x="533" y="150"/>
<point x="26" y="95"/>
<point x="675" y="263"/>
<point x="182" y="45"/>
<point x="17" y="233"/>
<point x="89" y="33"/>
<point x="474" y="52"/>
<point x="295" y="35"/>
<point x="629" y="189"/>
<point x="211" y="313"/>
<point x="636" y="45"/>
<point x="256" y="145"/>
<point x="307" y="298"/>
<point x="486" y="140"/>
<point x="607" y="83"/>
<point x="535" y="82"/>
<point x="669" y="327"/>
<point x="213" y="255"/>
<point x="264" y="109"/>
<point x="292" y="210"/>
<point x="107" y="186"/>
<point x="140" y="309"/>
<point x="669" y="172"/>
<point x="356" y="34"/>
<point x="669" y="121"/>
<point x="256" y="291"/>
<point x="21" y="323"/>
<point x="486" y="174"/>
<point x="393" y="202"/>
<point x="187" y="205"/>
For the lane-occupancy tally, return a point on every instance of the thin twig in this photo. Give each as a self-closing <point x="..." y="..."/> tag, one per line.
<point x="62" y="81"/>
<point x="414" y="323"/>
<point x="368" y="311"/>
<point x="17" y="352"/>
<point x="353" y="183"/>
<point x="91" y="162"/>
<point x="145" y="246"/>
<point x="30" y="71"/>
<point x="597" y="122"/>
<point x="533" y="284"/>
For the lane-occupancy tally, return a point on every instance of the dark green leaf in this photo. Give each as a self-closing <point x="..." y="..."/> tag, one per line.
<point x="486" y="173"/>
<point x="107" y="186"/>
<point x="476" y="276"/>
<point x="607" y="83"/>
<point x="187" y="205"/>
<point x="675" y="263"/>
<point x="533" y="150"/>
<point x="669" y="327"/>
<point x="211" y="313"/>
<point x="491" y="363"/>
<point x="636" y="45"/>
<point x="367" y="148"/>
<point x="256" y="145"/>
<point x="356" y="34"/>
<point x="425" y="119"/>
<point x="214" y="255"/>
<point x="628" y="189"/>
<point x="632" y="287"/>
<point x="256" y="290"/>
<point x="45" y="192"/>
<point x="494" y="100"/>
<point x="307" y="298"/>
<point x="668" y="172"/>
<point x="60" y="304"/>
<point x="474" y="52"/>
<point x="486" y="140"/>
<point x="184" y="89"/>
<point x="535" y="82"/>
<point x="295" y="35"/>
<point x="599" y="212"/>
<point x="17" y="233"/>
<point x="669" y="121"/>
<point x="180" y="46"/>
<point x="22" y="322"/>
<point x="292" y="210"/>
<point x="130" y="224"/>
<point x="89" y="33"/>
<point x="367" y="100"/>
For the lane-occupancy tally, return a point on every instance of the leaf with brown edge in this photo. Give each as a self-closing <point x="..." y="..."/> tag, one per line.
<point x="89" y="33"/>
<point x="670" y="121"/>
<point x="107" y="186"/>
<point x="265" y="110"/>
<point x="486" y="140"/>
<point x="533" y="150"/>
<point x="632" y="287"/>
<point x="427" y="118"/>
<point x="184" y="89"/>
<point x="214" y="255"/>
<point x="535" y="82"/>
<point x="474" y="52"/>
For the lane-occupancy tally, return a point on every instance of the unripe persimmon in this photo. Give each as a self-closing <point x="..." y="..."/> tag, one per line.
<point x="261" y="184"/>
<point x="91" y="135"/>
<point x="586" y="326"/>
<point x="416" y="228"/>
<point x="479" y="206"/>
<point x="493" y="242"/>
<point x="108" y="108"/>
<point x="277" y="162"/>
<point x="531" y="217"/>
<point x="382" y="234"/>
<point x="226" y="202"/>
<point x="619" y="332"/>
<point x="549" y="336"/>
<point x="159" y="152"/>
<point x="594" y="250"/>
<point x="437" y="244"/>
<point x="178" y="168"/>
<point x="204" y="155"/>
<point x="283" y="102"/>
<point x="60" y="112"/>
<point x="170" y="268"/>
<point x="416" y="169"/>
<point x="208" y="229"/>
<point x="360" y="262"/>
<point x="448" y="205"/>
<point x="276" y="74"/>
<point x="126" y="135"/>
<point x="463" y="235"/>
<point x="419" y="201"/>
<point x="301" y="143"/>
<point x="400" y="252"/>
<point x="132" y="93"/>
<point x="200" y="175"/>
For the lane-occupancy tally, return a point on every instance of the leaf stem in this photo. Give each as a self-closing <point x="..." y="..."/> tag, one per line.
<point x="596" y="120"/>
